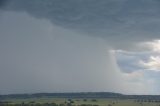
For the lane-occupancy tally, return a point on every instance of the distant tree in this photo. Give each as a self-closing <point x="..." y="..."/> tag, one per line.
<point x="32" y="102"/>
<point x="94" y="100"/>
<point x="84" y="100"/>
<point x="71" y="101"/>
<point x="109" y="105"/>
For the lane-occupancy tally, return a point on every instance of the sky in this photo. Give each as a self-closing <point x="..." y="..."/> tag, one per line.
<point x="80" y="46"/>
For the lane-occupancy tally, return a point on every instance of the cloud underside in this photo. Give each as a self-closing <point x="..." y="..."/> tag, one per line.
<point x="112" y="20"/>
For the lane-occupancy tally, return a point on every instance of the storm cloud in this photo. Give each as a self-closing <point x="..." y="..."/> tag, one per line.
<point x="71" y="45"/>
<point x="112" y="20"/>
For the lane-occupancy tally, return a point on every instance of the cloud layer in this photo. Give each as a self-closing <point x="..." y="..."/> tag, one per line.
<point x="112" y="20"/>
<point x="84" y="45"/>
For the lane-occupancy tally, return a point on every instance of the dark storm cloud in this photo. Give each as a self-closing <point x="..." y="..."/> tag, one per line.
<point x="113" y="20"/>
<point x="2" y="3"/>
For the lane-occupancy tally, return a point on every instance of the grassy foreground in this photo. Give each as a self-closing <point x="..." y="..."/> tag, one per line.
<point x="48" y="101"/>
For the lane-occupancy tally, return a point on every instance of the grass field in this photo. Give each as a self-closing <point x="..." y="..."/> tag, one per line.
<point x="80" y="101"/>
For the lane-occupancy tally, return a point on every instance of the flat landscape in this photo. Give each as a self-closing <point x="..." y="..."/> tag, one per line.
<point x="76" y="99"/>
<point x="77" y="102"/>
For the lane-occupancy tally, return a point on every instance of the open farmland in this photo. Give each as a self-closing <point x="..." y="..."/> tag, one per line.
<point x="73" y="100"/>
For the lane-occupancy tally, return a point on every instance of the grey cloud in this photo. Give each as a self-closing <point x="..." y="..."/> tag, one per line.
<point x="137" y="61"/>
<point x="129" y="61"/>
<point x="113" y="20"/>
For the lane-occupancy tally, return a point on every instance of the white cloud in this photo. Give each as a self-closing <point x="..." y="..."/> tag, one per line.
<point x="141" y="67"/>
<point x="153" y="46"/>
<point x="153" y="61"/>
<point x="152" y="64"/>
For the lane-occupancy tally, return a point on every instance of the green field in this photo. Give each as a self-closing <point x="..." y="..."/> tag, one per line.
<point x="82" y="102"/>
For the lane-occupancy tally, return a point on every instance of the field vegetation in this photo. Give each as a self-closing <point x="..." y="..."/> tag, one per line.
<point x="79" y="99"/>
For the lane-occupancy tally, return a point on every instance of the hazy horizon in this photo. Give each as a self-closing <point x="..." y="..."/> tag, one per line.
<point x="80" y="46"/>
